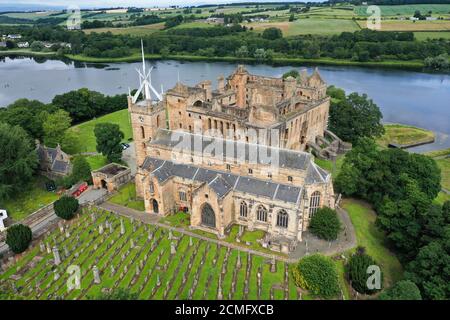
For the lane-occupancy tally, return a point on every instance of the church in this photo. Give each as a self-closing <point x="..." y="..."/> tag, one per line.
<point x="236" y="154"/>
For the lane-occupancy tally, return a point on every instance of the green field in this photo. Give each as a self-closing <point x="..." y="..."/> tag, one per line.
<point x="33" y="197"/>
<point x="134" y="30"/>
<point x="368" y="236"/>
<point x="85" y="130"/>
<point x="407" y="10"/>
<point x="192" y="272"/>
<point x="444" y="165"/>
<point x="421" y="36"/>
<point x="404" y="135"/>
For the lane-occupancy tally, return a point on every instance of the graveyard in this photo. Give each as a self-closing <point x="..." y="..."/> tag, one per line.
<point x="115" y="252"/>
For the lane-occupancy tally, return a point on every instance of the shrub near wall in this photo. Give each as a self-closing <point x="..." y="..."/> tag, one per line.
<point x="325" y="224"/>
<point x="18" y="237"/>
<point x="357" y="267"/>
<point x="66" y="207"/>
<point x="317" y="274"/>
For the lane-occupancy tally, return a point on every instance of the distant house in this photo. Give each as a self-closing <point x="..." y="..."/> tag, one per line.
<point x="3" y="216"/>
<point x="431" y="18"/>
<point x="65" y="44"/>
<point x="413" y="19"/>
<point x="53" y="162"/>
<point x="2" y="44"/>
<point x="23" y="44"/>
<point x="215" y="20"/>
<point x="14" y="36"/>
<point x="75" y="26"/>
<point x="47" y="45"/>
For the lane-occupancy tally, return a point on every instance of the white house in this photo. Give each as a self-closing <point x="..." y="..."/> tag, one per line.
<point x="3" y="216"/>
<point x="23" y="44"/>
<point x="14" y="36"/>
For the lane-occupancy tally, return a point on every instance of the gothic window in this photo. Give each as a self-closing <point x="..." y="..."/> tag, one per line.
<point x="314" y="203"/>
<point x="290" y="178"/>
<point x="142" y="132"/>
<point x="151" y="187"/>
<point x="157" y="121"/>
<point x="243" y="209"/>
<point x="282" y="219"/>
<point x="182" y="196"/>
<point x="250" y="171"/>
<point x="209" y="123"/>
<point x="228" y="167"/>
<point x="208" y="216"/>
<point x="261" y="214"/>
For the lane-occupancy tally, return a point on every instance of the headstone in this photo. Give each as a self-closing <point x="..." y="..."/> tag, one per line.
<point x="158" y="281"/>
<point x="113" y="270"/>
<point x="273" y="265"/>
<point x="56" y="275"/>
<point x="190" y="242"/>
<point x="170" y="235"/>
<point x="57" y="258"/>
<point x="66" y="251"/>
<point x="172" y="248"/>
<point x="131" y="243"/>
<point x="100" y="228"/>
<point x="49" y="250"/>
<point x="111" y="229"/>
<point x="96" y="275"/>
<point x="122" y="227"/>
<point x="42" y="247"/>
<point x="150" y="236"/>
<point x="67" y="233"/>
<point x="219" y="293"/>
<point x="238" y="264"/>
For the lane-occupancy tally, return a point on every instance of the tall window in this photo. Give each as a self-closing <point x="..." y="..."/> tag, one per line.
<point x="261" y="214"/>
<point x="282" y="219"/>
<point x="314" y="203"/>
<point x="142" y="132"/>
<point x="243" y="209"/>
<point x="182" y="195"/>
<point x="151" y="188"/>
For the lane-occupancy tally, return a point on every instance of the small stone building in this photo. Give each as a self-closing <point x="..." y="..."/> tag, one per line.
<point x="111" y="177"/>
<point x="53" y="162"/>
<point x="3" y="217"/>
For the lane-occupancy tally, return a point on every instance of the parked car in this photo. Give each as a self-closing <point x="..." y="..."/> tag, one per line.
<point x="125" y="146"/>
<point x="50" y="186"/>
<point x="80" y="190"/>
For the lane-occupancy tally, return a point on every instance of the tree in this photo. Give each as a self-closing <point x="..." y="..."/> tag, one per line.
<point x="272" y="34"/>
<point x="55" y="126"/>
<point x="18" y="237"/>
<point x="292" y="17"/>
<point x="318" y="274"/>
<point x="293" y="73"/>
<point x="37" y="46"/>
<point x="109" y="137"/>
<point x="437" y="63"/>
<point x="18" y="159"/>
<point x="325" y="224"/>
<point x="355" y="117"/>
<point x="65" y="207"/>
<point x="242" y="52"/>
<point x="356" y="270"/>
<point x="402" y="290"/>
<point x="81" y="170"/>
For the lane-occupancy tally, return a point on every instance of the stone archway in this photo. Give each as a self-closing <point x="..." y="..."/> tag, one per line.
<point x="208" y="216"/>
<point x="155" y="206"/>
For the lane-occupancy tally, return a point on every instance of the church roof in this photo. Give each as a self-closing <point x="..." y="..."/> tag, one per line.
<point x="222" y="182"/>
<point x="229" y="149"/>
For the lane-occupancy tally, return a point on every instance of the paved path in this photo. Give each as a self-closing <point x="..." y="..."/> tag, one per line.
<point x="345" y="241"/>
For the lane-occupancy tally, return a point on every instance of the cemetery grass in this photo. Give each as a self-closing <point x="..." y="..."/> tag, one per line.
<point x="32" y="197"/>
<point x="97" y="161"/>
<point x="126" y="196"/>
<point x="198" y="266"/>
<point x="373" y="240"/>
<point x="85" y="131"/>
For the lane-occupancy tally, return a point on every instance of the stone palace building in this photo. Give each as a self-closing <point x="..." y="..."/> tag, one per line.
<point x="235" y="154"/>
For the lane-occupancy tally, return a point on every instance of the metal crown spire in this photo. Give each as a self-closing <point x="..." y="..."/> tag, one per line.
<point x="145" y="82"/>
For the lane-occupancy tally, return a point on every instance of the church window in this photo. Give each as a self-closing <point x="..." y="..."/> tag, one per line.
<point x="243" y="209"/>
<point x="261" y="214"/>
<point x="182" y="196"/>
<point x="314" y="203"/>
<point x="282" y="219"/>
<point x="142" y="132"/>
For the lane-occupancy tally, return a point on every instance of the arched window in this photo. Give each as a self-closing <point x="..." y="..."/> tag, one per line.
<point x="261" y="214"/>
<point x="142" y="132"/>
<point x="182" y="196"/>
<point x="157" y="121"/>
<point x="151" y="187"/>
<point x="314" y="203"/>
<point x="282" y="219"/>
<point x="243" y="209"/>
<point x="209" y="123"/>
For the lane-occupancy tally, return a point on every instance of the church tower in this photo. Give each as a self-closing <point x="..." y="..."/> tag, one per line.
<point x="146" y="116"/>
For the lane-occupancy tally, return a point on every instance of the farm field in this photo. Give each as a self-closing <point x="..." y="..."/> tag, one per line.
<point x="431" y="35"/>
<point x="407" y="10"/>
<point x="406" y="25"/>
<point x="308" y="26"/>
<point x="152" y="262"/>
<point x="85" y="130"/>
<point x="134" y="30"/>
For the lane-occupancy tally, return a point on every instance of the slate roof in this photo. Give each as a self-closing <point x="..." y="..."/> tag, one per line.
<point x="221" y="182"/>
<point x="238" y="150"/>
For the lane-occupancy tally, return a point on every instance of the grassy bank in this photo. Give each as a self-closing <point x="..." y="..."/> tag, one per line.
<point x="368" y="236"/>
<point x="126" y="196"/>
<point x="27" y="52"/>
<point x="404" y="135"/>
<point x="394" y="64"/>
<point x="85" y="130"/>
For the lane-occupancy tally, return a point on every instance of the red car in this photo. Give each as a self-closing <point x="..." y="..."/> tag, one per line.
<point x="80" y="190"/>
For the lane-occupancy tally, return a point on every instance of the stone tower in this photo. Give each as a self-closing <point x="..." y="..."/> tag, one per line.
<point x="146" y="116"/>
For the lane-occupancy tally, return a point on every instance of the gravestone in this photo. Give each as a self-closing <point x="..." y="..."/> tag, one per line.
<point x="56" y="256"/>
<point x="42" y="247"/>
<point x="111" y="228"/>
<point x="96" y="275"/>
<point x="113" y="270"/>
<point x="56" y="275"/>
<point x="122" y="227"/>
<point x="172" y="248"/>
<point x="158" y="281"/>
<point x="273" y="265"/>
<point x="238" y="264"/>
<point x="131" y="243"/>
<point x="67" y="233"/>
<point x="66" y="251"/>
<point x="190" y="242"/>
<point x="49" y="250"/>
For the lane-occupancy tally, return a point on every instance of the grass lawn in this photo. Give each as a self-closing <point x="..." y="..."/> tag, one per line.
<point x="85" y="130"/>
<point x="444" y="164"/>
<point x="32" y="198"/>
<point x="126" y="196"/>
<point x="96" y="162"/>
<point x="404" y="135"/>
<point x="179" y="219"/>
<point x="330" y="166"/>
<point x="431" y="35"/>
<point x="368" y="236"/>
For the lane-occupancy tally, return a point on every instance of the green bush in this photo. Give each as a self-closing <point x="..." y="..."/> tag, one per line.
<point x="65" y="207"/>
<point x="402" y="290"/>
<point x="356" y="269"/>
<point x="325" y="224"/>
<point x="317" y="274"/>
<point x="18" y="237"/>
